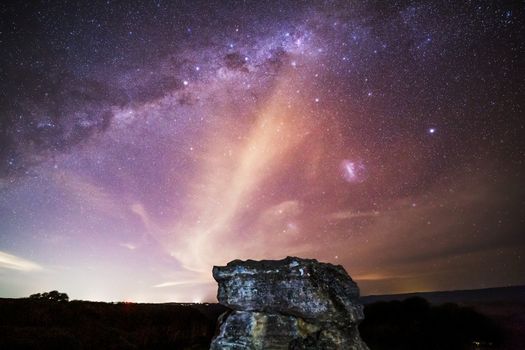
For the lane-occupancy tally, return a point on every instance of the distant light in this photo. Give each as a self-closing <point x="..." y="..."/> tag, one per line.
<point x="316" y="99"/>
<point x="185" y="82"/>
<point x="432" y="130"/>
<point x="197" y="68"/>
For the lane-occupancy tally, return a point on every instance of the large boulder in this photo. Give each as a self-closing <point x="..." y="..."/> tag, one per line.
<point x="292" y="303"/>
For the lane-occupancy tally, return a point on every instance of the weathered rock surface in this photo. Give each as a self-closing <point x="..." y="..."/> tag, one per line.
<point x="287" y="304"/>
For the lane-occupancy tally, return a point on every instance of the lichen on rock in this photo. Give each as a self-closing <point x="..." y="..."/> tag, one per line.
<point x="292" y="303"/>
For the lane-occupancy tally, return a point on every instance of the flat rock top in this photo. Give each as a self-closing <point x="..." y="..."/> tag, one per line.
<point x="284" y="267"/>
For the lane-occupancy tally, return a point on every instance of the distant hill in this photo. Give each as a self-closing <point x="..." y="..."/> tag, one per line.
<point x="515" y="294"/>
<point x="505" y="306"/>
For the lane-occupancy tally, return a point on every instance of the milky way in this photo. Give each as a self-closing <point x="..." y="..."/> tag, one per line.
<point x="141" y="144"/>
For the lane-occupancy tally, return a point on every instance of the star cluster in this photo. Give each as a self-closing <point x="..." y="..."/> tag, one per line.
<point x="141" y="143"/>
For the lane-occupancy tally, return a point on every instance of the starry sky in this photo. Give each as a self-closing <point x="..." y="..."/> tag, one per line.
<point x="141" y="143"/>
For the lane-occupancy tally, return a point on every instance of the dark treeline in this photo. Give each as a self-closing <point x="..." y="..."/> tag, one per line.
<point x="43" y="323"/>
<point x="47" y="324"/>
<point x="415" y="324"/>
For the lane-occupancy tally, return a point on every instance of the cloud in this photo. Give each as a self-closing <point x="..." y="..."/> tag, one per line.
<point x="12" y="262"/>
<point x="351" y="214"/>
<point x="179" y="283"/>
<point x="129" y="246"/>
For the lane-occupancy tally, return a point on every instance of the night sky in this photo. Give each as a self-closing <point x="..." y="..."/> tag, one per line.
<point x="143" y="142"/>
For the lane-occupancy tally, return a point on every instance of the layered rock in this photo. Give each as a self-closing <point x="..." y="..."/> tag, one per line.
<point x="287" y="304"/>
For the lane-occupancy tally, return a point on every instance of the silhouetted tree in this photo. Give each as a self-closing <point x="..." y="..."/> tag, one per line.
<point x="53" y="295"/>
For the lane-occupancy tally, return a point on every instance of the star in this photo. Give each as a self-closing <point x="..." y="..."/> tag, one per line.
<point x="198" y="132"/>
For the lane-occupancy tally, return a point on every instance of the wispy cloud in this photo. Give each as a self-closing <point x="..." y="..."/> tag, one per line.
<point x="351" y="214"/>
<point x="129" y="246"/>
<point x="12" y="262"/>
<point x="179" y="283"/>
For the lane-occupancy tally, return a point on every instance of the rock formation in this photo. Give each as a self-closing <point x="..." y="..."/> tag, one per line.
<point x="292" y="303"/>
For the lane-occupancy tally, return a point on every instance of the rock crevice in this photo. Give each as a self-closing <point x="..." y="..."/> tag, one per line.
<point x="292" y="303"/>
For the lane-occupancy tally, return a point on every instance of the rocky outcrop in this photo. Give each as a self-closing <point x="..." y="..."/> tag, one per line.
<point x="292" y="303"/>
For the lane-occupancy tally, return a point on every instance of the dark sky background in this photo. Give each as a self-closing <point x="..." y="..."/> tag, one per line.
<point x="143" y="142"/>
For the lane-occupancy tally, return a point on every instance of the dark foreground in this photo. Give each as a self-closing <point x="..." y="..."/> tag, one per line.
<point x="489" y="319"/>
